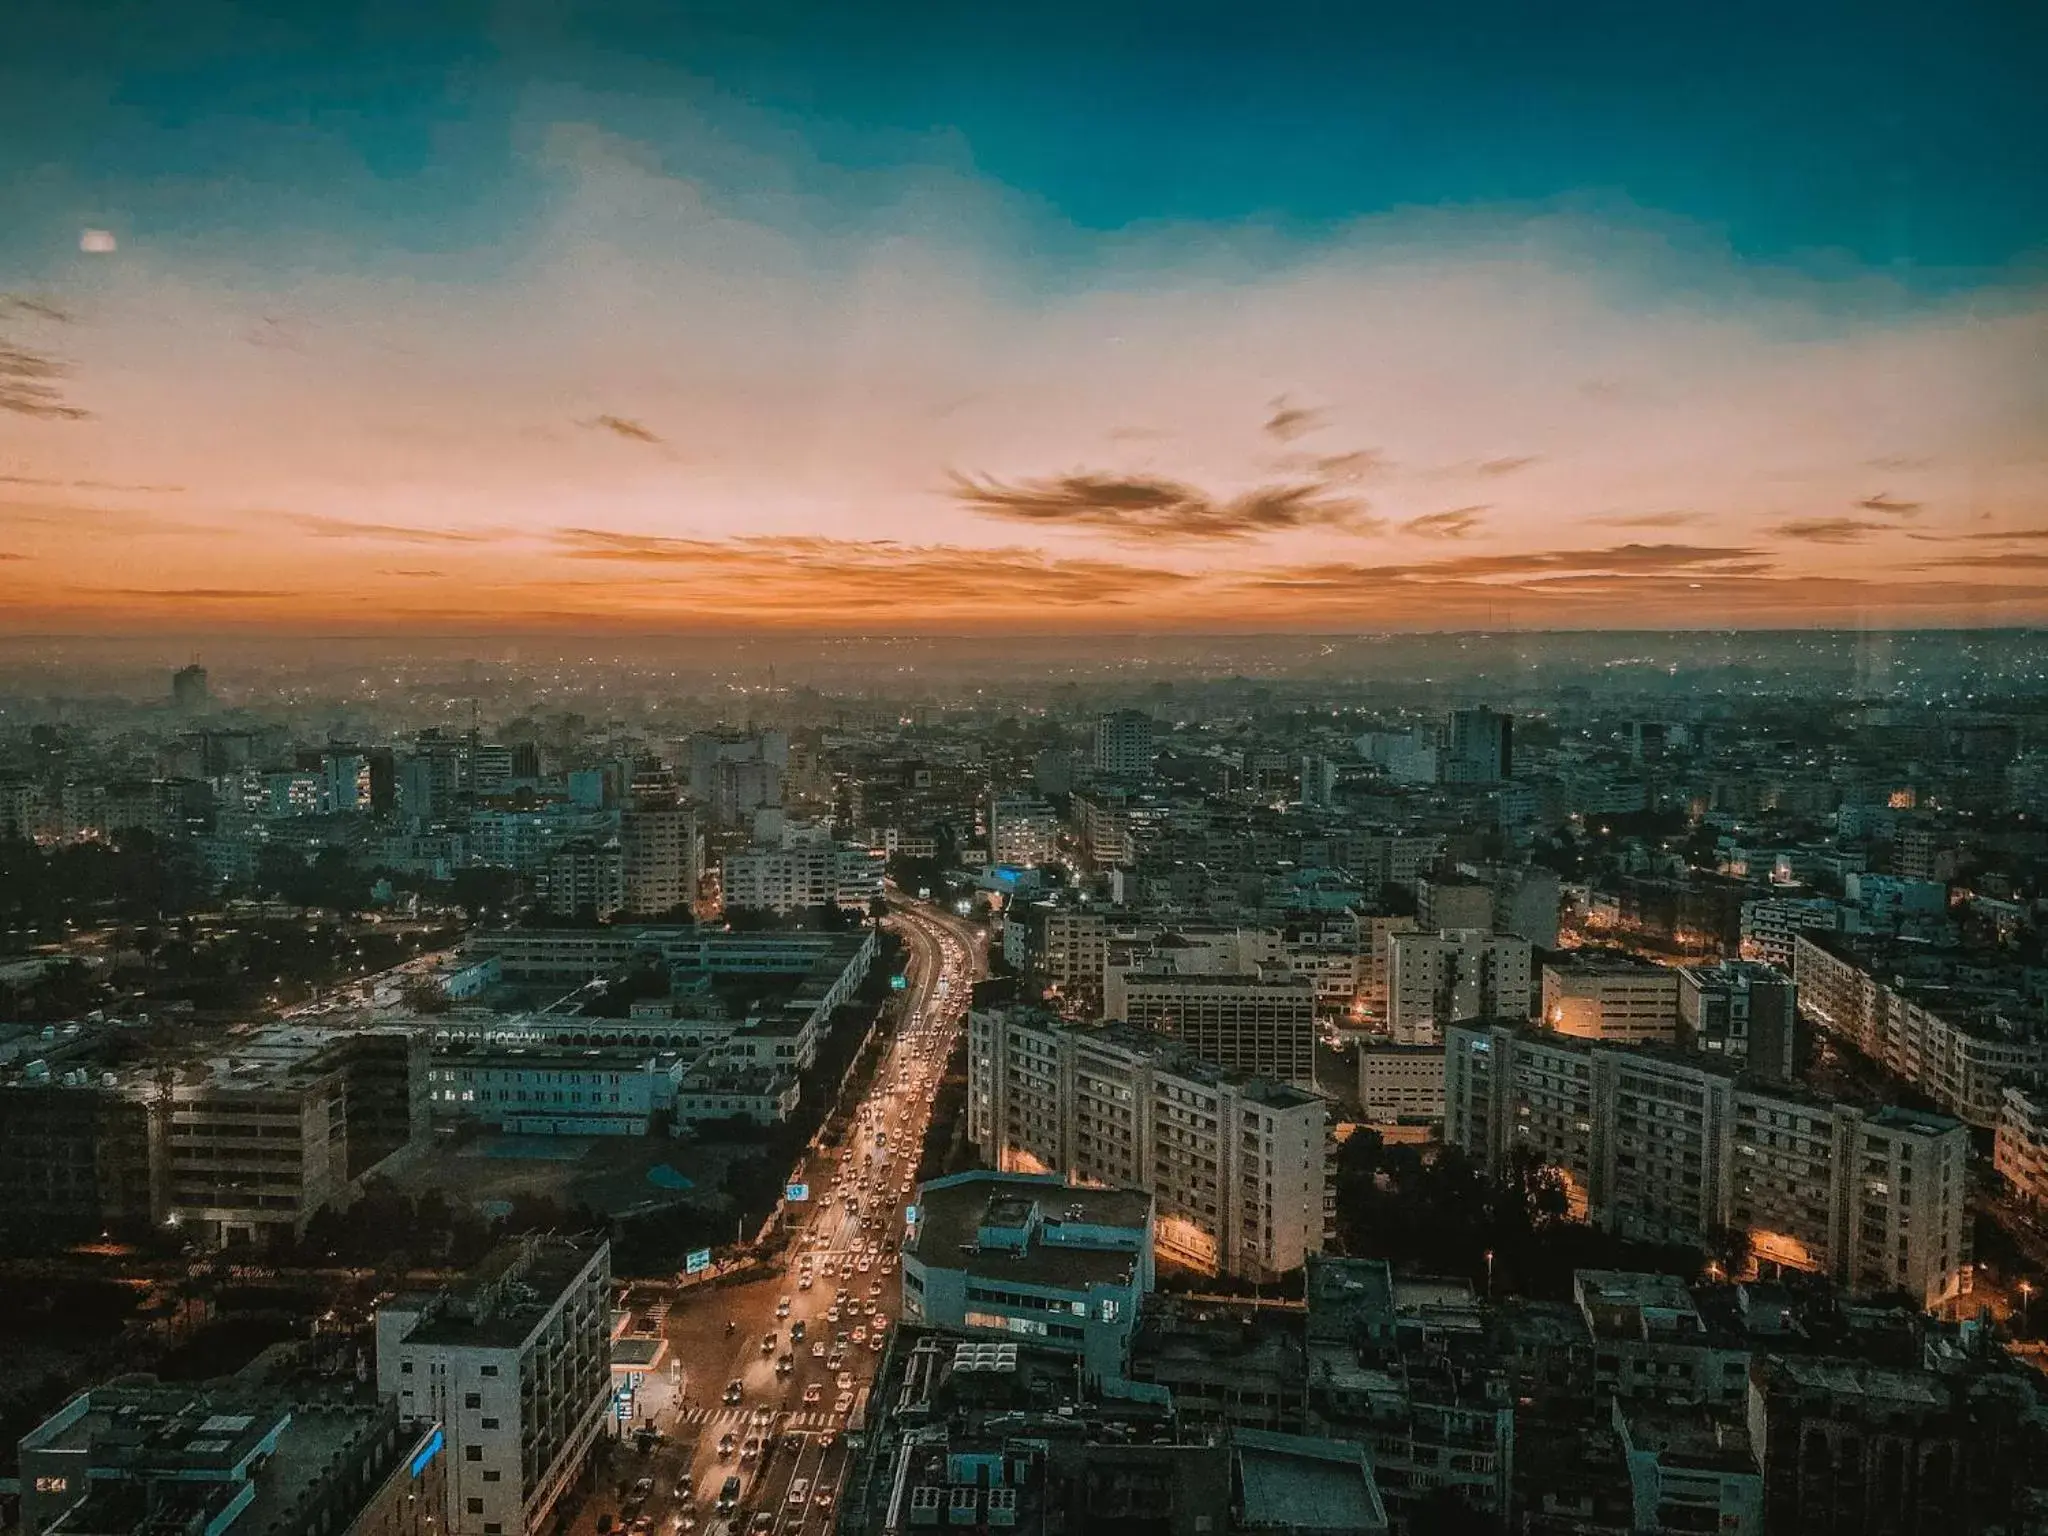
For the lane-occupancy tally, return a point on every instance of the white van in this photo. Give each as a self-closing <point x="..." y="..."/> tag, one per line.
<point x="800" y="1492"/>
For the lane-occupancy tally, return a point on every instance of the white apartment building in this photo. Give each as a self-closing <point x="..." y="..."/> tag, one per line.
<point x="1771" y="926"/>
<point x="1962" y="1052"/>
<point x="586" y="878"/>
<point x="540" y="1090"/>
<point x="1237" y="1165"/>
<point x="1123" y="744"/>
<point x="800" y="874"/>
<point x="1401" y="1084"/>
<point x="1258" y="1025"/>
<point x="2019" y="1153"/>
<point x="1666" y="1148"/>
<point x="1611" y="996"/>
<point x="1022" y="830"/>
<point x="1438" y="979"/>
<point x="515" y="1361"/>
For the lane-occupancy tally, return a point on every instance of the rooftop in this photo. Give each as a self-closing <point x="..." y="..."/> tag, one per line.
<point x="501" y="1301"/>
<point x="1049" y="1233"/>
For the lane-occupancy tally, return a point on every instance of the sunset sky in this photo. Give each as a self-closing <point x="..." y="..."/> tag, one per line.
<point x="888" y="316"/>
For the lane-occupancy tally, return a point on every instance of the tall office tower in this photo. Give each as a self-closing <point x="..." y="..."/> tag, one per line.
<point x="1123" y="744"/>
<point x="490" y="767"/>
<point x="1479" y="747"/>
<point x="1022" y="830"/>
<point x="1610" y="995"/>
<point x="514" y="1359"/>
<point x="429" y="779"/>
<point x="188" y="689"/>
<point x="1438" y="979"/>
<point x="658" y="845"/>
<point x="1263" y="1026"/>
<point x="1237" y="1165"/>
<point x="1742" y="1012"/>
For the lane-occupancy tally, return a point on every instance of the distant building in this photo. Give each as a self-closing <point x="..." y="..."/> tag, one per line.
<point x="1022" y="831"/>
<point x="585" y="879"/>
<point x="658" y="857"/>
<point x="1401" y="1084"/>
<point x="1262" y="1026"/>
<point x="2019" y="1152"/>
<point x="514" y="1360"/>
<point x="1478" y="747"/>
<point x="1032" y="1257"/>
<point x="1123" y="744"/>
<point x="189" y="692"/>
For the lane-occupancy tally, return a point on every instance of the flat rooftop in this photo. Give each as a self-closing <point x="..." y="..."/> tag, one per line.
<point x="951" y="1216"/>
<point x="504" y="1298"/>
<point x="1294" y="1483"/>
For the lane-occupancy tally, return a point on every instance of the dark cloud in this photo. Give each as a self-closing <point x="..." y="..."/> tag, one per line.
<point x="1457" y="523"/>
<point x="1883" y="502"/>
<point x="196" y="594"/>
<point x="4" y="555"/>
<point x="1290" y="421"/>
<point x="1494" y="467"/>
<point x="1649" y="519"/>
<point x="1900" y="461"/>
<point x="29" y="384"/>
<point x="1830" y="530"/>
<point x="2003" y="536"/>
<point x="394" y="533"/>
<point x="22" y="306"/>
<point x="90" y="485"/>
<point x="626" y="427"/>
<point x="2008" y="559"/>
<point x="1620" y="561"/>
<point x="405" y="571"/>
<point x="1142" y="507"/>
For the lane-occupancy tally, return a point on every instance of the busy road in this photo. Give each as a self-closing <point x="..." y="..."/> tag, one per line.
<point x="773" y="1373"/>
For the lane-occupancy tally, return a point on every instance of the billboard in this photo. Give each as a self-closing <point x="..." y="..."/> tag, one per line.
<point x="796" y="1192"/>
<point x="697" y="1261"/>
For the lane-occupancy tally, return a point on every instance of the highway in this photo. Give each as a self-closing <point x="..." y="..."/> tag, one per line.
<point x="752" y="1403"/>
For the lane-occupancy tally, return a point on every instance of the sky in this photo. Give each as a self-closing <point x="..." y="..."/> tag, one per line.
<point x="902" y="317"/>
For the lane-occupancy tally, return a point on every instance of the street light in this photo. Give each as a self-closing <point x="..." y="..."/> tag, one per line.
<point x="2026" y="1292"/>
<point x="1489" y="1274"/>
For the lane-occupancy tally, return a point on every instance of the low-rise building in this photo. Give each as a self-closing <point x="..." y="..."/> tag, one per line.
<point x="1611" y="996"/>
<point x="1401" y="1084"/>
<point x="1032" y="1257"/>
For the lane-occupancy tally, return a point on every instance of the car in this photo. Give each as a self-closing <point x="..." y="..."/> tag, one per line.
<point x="764" y="1523"/>
<point x="822" y="1498"/>
<point x="875" y="1343"/>
<point x="735" y="1390"/>
<point x="768" y="1342"/>
<point x="763" y="1413"/>
<point x="860" y="1335"/>
<point x="803" y="1282"/>
<point x="685" y="1485"/>
<point x="729" y="1495"/>
<point x="643" y="1489"/>
<point x="784" y="1365"/>
<point x="800" y="1492"/>
<point x="643" y="1525"/>
<point x="749" y="1449"/>
<point x="813" y="1392"/>
<point x="843" y="1403"/>
<point x="782" y="1306"/>
<point x="840" y="1295"/>
<point x="726" y="1446"/>
<point x="817" y="1349"/>
<point x="796" y="1331"/>
<point x="845" y="1381"/>
<point x="827" y="1440"/>
<point x="866" y="1264"/>
<point x="832" y="1314"/>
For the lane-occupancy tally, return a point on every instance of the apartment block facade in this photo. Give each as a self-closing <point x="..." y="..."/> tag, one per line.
<point x="1665" y="1147"/>
<point x="1438" y="979"/>
<point x="1259" y="1026"/>
<point x="1237" y="1165"/>
<point x="1611" y="996"/>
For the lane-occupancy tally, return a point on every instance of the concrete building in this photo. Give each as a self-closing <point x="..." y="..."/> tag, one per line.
<point x="189" y="693"/>
<point x="1123" y="744"/>
<point x="514" y="1360"/>
<point x="1238" y="1166"/>
<point x="807" y="870"/>
<point x="1960" y="1046"/>
<point x="147" y="1458"/>
<point x="1401" y="1084"/>
<point x="1023" y="831"/>
<point x="541" y="1091"/>
<point x="658" y="857"/>
<point x="1449" y="902"/>
<point x="585" y="878"/>
<point x="1478" y="747"/>
<point x="1611" y="996"/>
<point x="1438" y="979"/>
<point x="1032" y="1257"/>
<point x="1771" y="925"/>
<point x="1664" y="1146"/>
<point x="1742" y="1011"/>
<point x="2019" y="1152"/>
<point x="1256" y="1025"/>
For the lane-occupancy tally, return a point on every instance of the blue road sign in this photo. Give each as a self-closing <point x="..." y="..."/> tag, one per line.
<point x="796" y="1192"/>
<point x="910" y="1215"/>
<point x="697" y="1261"/>
<point x="898" y="983"/>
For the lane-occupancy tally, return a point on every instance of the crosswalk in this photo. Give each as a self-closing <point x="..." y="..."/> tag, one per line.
<point x="739" y="1420"/>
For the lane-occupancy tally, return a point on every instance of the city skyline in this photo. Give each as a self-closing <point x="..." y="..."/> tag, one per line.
<point x="466" y="321"/>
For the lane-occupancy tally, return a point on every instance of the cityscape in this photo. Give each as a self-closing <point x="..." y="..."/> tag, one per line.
<point x="1075" y="771"/>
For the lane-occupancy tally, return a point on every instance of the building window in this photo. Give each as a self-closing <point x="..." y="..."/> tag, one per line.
<point x="472" y="1399"/>
<point x="472" y="1453"/>
<point x="474" y="1506"/>
<point x="492" y="1474"/>
<point x="490" y="1423"/>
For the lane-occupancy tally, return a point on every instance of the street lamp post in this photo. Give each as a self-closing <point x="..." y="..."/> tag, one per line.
<point x="2026" y="1293"/>
<point x="1489" y="1274"/>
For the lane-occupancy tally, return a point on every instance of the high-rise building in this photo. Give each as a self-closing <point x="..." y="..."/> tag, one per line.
<point x="1236" y="1163"/>
<point x="1610" y="995"/>
<point x="1263" y="1026"/>
<point x="188" y="689"/>
<point x="585" y="878"/>
<point x="1438" y="979"/>
<point x="658" y="849"/>
<point x="1742" y="1011"/>
<point x="1478" y="747"/>
<point x="514" y="1360"/>
<point x="1123" y="744"/>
